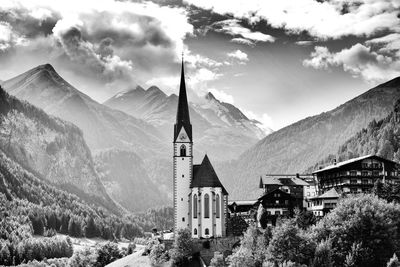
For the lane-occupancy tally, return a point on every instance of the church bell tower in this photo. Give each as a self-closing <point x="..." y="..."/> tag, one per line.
<point x="182" y="159"/>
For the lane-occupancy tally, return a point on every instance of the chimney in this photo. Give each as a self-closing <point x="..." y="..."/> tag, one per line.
<point x="334" y="161"/>
<point x="297" y="175"/>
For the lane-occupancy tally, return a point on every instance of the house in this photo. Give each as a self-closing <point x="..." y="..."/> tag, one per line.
<point x="295" y="185"/>
<point x="357" y="175"/>
<point x="244" y="208"/>
<point x="321" y="205"/>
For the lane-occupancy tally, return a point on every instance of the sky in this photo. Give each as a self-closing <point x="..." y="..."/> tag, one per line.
<point x="278" y="61"/>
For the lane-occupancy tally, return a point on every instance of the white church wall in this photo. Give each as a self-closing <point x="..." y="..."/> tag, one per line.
<point x="183" y="166"/>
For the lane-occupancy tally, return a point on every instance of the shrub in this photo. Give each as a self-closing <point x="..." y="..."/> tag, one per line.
<point x="182" y="250"/>
<point x="158" y="255"/>
<point x="107" y="253"/>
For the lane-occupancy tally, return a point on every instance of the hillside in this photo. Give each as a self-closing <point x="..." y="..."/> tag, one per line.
<point x="220" y="129"/>
<point x="124" y="176"/>
<point x="102" y="127"/>
<point x="298" y="146"/>
<point x="51" y="148"/>
<point x="380" y="137"/>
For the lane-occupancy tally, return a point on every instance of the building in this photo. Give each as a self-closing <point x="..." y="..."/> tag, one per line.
<point x="321" y="205"/>
<point x="277" y="203"/>
<point x="295" y="185"/>
<point x="200" y="200"/>
<point x="357" y="175"/>
<point x="243" y="208"/>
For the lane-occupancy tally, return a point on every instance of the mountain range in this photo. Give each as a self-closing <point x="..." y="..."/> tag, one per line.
<point x="219" y="128"/>
<point x="136" y="124"/>
<point x="295" y="148"/>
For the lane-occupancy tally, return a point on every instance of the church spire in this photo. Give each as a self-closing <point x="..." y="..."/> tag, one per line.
<point x="182" y="115"/>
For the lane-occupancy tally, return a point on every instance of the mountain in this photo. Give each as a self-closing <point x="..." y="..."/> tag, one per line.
<point x="125" y="178"/>
<point x="219" y="128"/>
<point x="51" y="148"/>
<point x="102" y="127"/>
<point x="379" y="137"/>
<point x="296" y="147"/>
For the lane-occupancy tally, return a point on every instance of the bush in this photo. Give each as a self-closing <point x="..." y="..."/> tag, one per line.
<point x="158" y="255"/>
<point x="182" y="250"/>
<point x="83" y="258"/>
<point x="131" y="248"/>
<point x="217" y="260"/>
<point x="107" y="253"/>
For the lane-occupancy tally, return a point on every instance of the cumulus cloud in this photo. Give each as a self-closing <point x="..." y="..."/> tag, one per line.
<point x="107" y="40"/>
<point x="359" y="60"/>
<point x="322" y="19"/>
<point x="239" y="55"/>
<point x="241" y="34"/>
<point x="265" y="121"/>
<point x="222" y="96"/>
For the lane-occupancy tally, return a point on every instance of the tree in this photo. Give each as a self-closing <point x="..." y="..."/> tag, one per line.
<point x="107" y="253"/>
<point x="363" y="229"/>
<point x="158" y="255"/>
<point x="90" y="228"/>
<point x="182" y="249"/>
<point x="290" y="243"/>
<point x="83" y="258"/>
<point x="323" y="255"/>
<point x="394" y="261"/>
<point x="217" y="260"/>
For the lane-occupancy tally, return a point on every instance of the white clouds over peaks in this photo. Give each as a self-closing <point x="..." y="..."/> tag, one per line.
<point x="323" y="19"/>
<point x="239" y="55"/>
<point x="359" y="60"/>
<point x="242" y="34"/>
<point x="103" y="39"/>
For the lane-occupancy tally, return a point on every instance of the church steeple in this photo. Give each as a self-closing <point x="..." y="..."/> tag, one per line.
<point x="182" y="115"/>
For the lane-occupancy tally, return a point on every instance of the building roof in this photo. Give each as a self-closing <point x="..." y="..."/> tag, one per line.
<point x="284" y="179"/>
<point x="274" y="191"/>
<point x="182" y="114"/>
<point x="343" y="163"/>
<point x="204" y="175"/>
<point x="332" y="193"/>
<point x="242" y="202"/>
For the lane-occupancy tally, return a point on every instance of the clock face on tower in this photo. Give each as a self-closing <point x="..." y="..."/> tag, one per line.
<point x="182" y="137"/>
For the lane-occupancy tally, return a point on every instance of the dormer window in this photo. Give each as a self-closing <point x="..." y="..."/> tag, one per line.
<point x="183" y="151"/>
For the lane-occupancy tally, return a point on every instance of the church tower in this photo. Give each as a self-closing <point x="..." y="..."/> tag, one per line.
<point x="183" y="159"/>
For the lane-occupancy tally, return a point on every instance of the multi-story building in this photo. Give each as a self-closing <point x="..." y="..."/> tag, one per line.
<point x="321" y="205"/>
<point x="357" y="175"/>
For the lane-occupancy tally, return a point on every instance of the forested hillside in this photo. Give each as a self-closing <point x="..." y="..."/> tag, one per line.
<point x="295" y="148"/>
<point x="124" y="176"/>
<point x="380" y="137"/>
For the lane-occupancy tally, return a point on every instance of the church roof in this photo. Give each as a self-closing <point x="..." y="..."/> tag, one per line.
<point x="204" y="175"/>
<point x="182" y="115"/>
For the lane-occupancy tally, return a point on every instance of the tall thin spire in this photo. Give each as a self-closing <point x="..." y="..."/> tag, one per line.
<point x="182" y="115"/>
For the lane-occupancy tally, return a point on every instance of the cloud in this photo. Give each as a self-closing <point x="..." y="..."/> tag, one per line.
<point x="232" y="27"/>
<point x="304" y="43"/>
<point x="359" y="60"/>
<point x="322" y="19"/>
<point x="239" y="55"/>
<point x="222" y="96"/>
<point x="96" y="41"/>
<point x="243" y="41"/>
<point x="265" y="121"/>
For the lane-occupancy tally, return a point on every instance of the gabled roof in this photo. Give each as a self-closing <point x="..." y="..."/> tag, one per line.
<point x="242" y="202"/>
<point x="343" y="163"/>
<point x="204" y="175"/>
<point x="274" y="191"/>
<point x="182" y="114"/>
<point x="332" y="193"/>
<point x="282" y="180"/>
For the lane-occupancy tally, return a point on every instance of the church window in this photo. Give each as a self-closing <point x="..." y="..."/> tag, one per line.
<point x="195" y="206"/>
<point x="206" y="232"/>
<point x="217" y="206"/>
<point x="206" y="206"/>
<point x="183" y="151"/>
<point x="195" y="231"/>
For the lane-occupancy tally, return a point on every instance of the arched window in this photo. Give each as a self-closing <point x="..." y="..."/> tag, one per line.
<point x="195" y="231"/>
<point x="206" y="232"/>
<point x="183" y="151"/>
<point x="195" y="206"/>
<point x="206" y="206"/>
<point x="217" y="206"/>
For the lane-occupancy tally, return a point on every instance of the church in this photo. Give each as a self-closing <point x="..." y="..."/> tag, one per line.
<point x="200" y="199"/>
